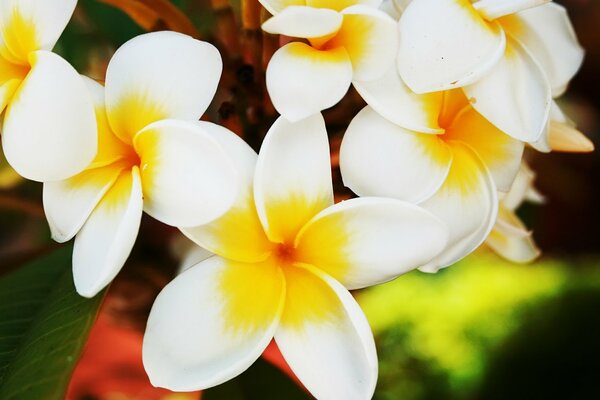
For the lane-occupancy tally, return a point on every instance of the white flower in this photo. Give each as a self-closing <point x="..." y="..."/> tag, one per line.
<point x="153" y="155"/>
<point x="285" y="257"/>
<point x="509" y="56"/>
<point x="562" y="135"/>
<point x="346" y="41"/>
<point x="49" y="129"/>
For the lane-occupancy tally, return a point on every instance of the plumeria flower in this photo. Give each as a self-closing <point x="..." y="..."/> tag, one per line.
<point x="343" y="41"/>
<point x="285" y="259"/>
<point x="509" y="56"/>
<point x="510" y="238"/>
<point x="434" y="150"/>
<point x="49" y="128"/>
<point x="562" y="135"/>
<point x="152" y="156"/>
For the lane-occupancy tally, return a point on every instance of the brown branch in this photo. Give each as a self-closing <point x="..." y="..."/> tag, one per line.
<point x="13" y="203"/>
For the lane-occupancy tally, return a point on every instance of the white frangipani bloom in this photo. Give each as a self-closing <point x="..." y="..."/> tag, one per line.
<point x="510" y="238"/>
<point x="153" y="155"/>
<point x="509" y="56"/>
<point x="49" y="128"/>
<point x="285" y="259"/>
<point x="434" y="150"/>
<point x="346" y="41"/>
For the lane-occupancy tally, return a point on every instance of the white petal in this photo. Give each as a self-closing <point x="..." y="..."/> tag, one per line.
<point x="340" y="5"/>
<point x="187" y="178"/>
<point x="522" y="184"/>
<point x="379" y="158"/>
<point x="492" y="9"/>
<point x="370" y="37"/>
<point x="276" y="6"/>
<point x="514" y="96"/>
<point x="105" y="241"/>
<point x="303" y="81"/>
<point x="158" y="76"/>
<point x="547" y="33"/>
<point x="304" y="22"/>
<point x="446" y="44"/>
<point x="196" y="337"/>
<point x="293" y="176"/>
<point x="467" y="203"/>
<point x="330" y="349"/>
<point x="367" y="241"/>
<point x="69" y="203"/>
<point x="30" y="25"/>
<point x="517" y="247"/>
<point x="392" y="99"/>
<point x="49" y="130"/>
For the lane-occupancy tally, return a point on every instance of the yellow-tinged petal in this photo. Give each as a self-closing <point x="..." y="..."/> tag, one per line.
<point x="367" y="241"/>
<point x="237" y="235"/>
<point x="566" y="138"/>
<point x="501" y="153"/>
<point x="157" y="76"/>
<point x="515" y="95"/>
<point x="340" y="5"/>
<point x="303" y="81"/>
<point x="7" y="90"/>
<point x="511" y="240"/>
<point x="211" y="323"/>
<point x="304" y="22"/>
<point x="467" y="203"/>
<point x="27" y="26"/>
<point x="370" y="37"/>
<point x="379" y="158"/>
<point x="103" y="244"/>
<point x="446" y="44"/>
<point x="493" y="9"/>
<point x="69" y="203"/>
<point x="49" y="130"/>
<point x="293" y="177"/>
<point x="325" y="338"/>
<point x="187" y="178"/>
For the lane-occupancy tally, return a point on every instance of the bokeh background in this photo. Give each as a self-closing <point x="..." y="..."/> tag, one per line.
<point x="483" y="329"/>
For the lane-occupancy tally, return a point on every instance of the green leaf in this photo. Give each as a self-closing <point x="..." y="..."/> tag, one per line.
<point x="44" y="324"/>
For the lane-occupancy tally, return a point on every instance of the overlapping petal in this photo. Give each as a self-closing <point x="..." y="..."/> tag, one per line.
<point x="548" y="35"/>
<point x="27" y="26"/>
<point x="467" y="203"/>
<point x="340" y="5"/>
<point x="187" y="178"/>
<point x="105" y="241"/>
<point x="211" y="323"/>
<point x="379" y="158"/>
<point x="158" y="76"/>
<point x="367" y="241"/>
<point x="493" y="9"/>
<point x="370" y="37"/>
<point x="276" y="6"/>
<point x="325" y="338"/>
<point x="303" y="81"/>
<point x="238" y="235"/>
<point x="511" y="240"/>
<point x="392" y="99"/>
<point x="515" y="95"/>
<point x="446" y="44"/>
<point x="61" y="139"/>
<point x="293" y="176"/>
<point x="292" y="21"/>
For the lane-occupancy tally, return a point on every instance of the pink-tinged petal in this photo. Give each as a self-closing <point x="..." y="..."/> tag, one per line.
<point x="187" y="178"/>
<point x="103" y="244"/>
<point x="493" y="9"/>
<point x="548" y="35"/>
<point x="379" y="158"/>
<point x="370" y="37"/>
<point x="211" y="323"/>
<point x="49" y="130"/>
<point x="325" y="337"/>
<point x="367" y="241"/>
<point x="446" y="44"/>
<point x="392" y="99"/>
<point x="303" y="81"/>
<point x="238" y="234"/>
<point x="293" y="176"/>
<point x="515" y="95"/>
<point x="27" y="26"/>
<point x="467" y="203"/>
<point x="304" y="22"/>
<point x="157" y="76"/>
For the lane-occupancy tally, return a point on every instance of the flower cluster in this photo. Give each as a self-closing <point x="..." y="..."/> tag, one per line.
<point x="455" y="91"/>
